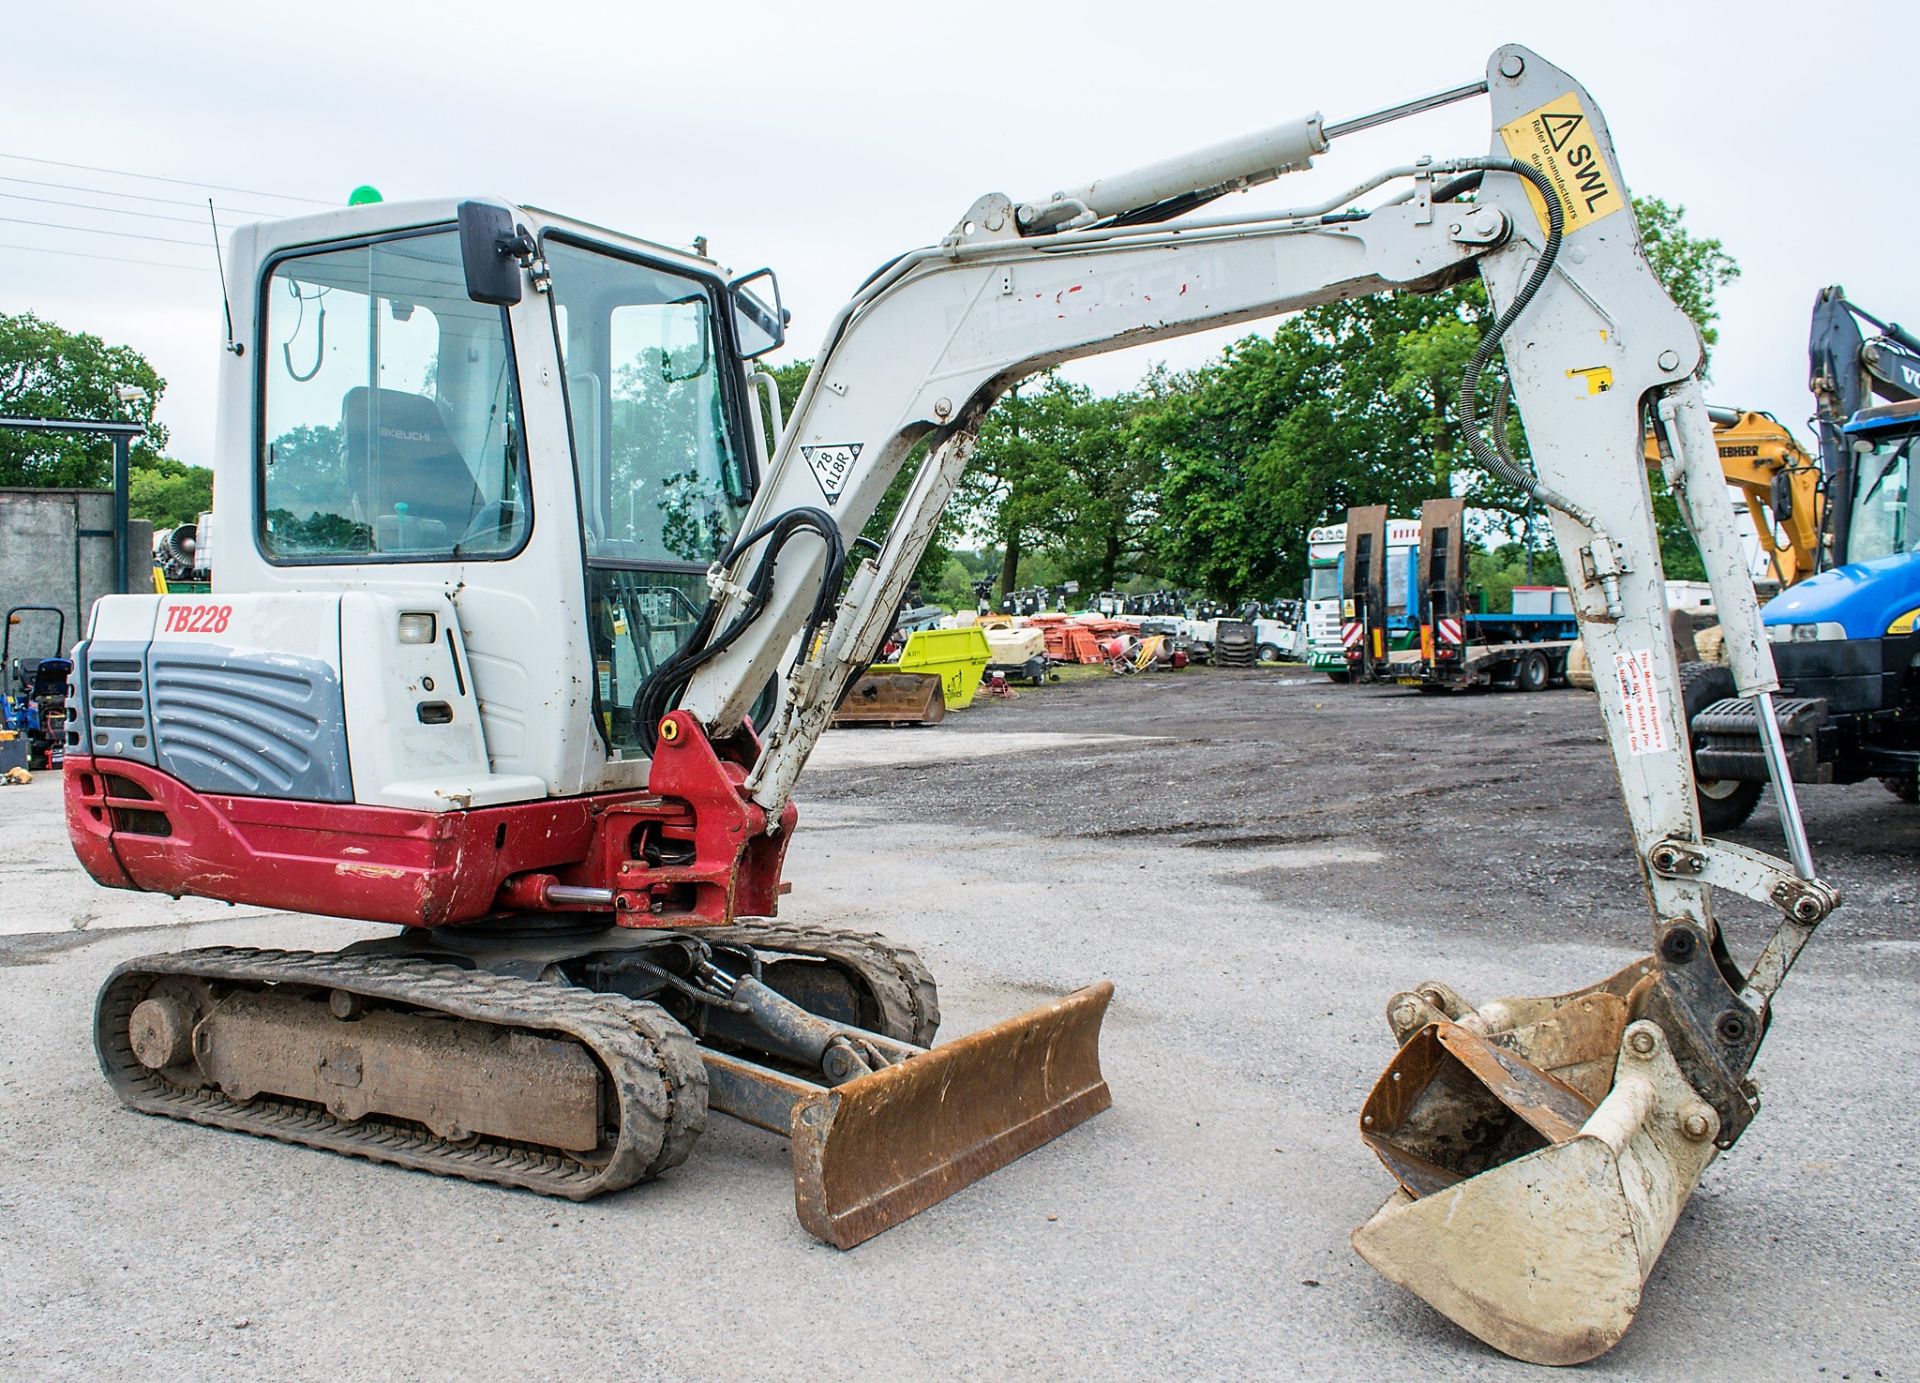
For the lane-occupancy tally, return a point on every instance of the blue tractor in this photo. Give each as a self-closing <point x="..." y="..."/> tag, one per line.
<point x="1844" y="640"/>
<point x="33" y="693"/>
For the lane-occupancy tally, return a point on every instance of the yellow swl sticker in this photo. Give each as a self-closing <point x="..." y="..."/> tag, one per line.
<point x="1560" y="141"/>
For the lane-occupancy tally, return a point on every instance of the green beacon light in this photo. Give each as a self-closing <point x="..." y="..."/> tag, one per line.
<point x="364" y="195"/>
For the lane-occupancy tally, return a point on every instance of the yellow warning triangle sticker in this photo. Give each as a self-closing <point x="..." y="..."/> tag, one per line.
<point x="1560" y="128"/>
<point x="1562" y="142"/>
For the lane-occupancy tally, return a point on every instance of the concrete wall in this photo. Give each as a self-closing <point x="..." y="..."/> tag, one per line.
<point x="56" y="548"/>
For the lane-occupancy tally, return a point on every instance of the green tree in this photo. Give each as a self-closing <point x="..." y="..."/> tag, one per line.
<point x="1492" y="575"/>
<point x="1357" y="402"/>
<point x="49" y="372"/>
<point x="1692" y="268"/>
<point x="1288" y="430"/>
<point x="1104" y="489"/>
<point x="169" y="492"/>
<point x="1016" y="468"/>
<point x="1054" y="473"/>
<point x="953" y="587"/>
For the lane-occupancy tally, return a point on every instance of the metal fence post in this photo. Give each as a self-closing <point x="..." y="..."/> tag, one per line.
<point x="121" y="448"/>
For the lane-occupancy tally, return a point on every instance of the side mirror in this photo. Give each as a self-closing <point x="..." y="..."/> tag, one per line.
<point x="758" y="327"/>
<point x="489" y="253"/>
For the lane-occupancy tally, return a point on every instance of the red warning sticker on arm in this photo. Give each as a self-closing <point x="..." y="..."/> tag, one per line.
<point x="1643" y="710"/>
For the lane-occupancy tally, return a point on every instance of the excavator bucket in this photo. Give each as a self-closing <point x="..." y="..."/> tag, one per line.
<point x="885" y="1146"/>
<point x="1541" y="1166"/>
<point x="893" y="698"/>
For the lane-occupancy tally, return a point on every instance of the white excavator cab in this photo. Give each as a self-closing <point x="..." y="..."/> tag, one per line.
<point x="424" y="420"/>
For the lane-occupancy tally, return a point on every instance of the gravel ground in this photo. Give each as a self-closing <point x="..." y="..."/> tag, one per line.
<point x="1256" y="859"/>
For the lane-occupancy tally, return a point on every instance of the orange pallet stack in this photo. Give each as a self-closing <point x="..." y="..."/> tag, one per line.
<point x="1083" y="645"/>
<point x="1057" y="632"/>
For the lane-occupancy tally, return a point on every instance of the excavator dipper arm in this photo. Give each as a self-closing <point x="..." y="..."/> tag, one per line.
<point x="1545" y="1147"/>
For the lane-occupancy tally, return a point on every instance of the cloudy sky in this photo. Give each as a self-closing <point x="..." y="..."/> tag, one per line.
<point x="821" y="138"/>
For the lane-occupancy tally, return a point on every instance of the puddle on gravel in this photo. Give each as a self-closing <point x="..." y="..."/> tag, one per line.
<point x="864" y="747"/>
<point x="1299" y="857"/>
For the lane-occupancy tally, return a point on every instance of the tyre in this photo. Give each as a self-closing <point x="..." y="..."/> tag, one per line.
<point x="1341" y="677"/>
<point x="1269" y="653"/>
<point x="1905" y="786"/>
<point x="1724" y="802"/>
<point x="1532" y="672"/>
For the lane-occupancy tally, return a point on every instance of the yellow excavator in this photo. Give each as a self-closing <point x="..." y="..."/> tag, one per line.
<point x="1778" y="479"/>
<point x="1780" y="483"/>
<point x="521" y="634"/>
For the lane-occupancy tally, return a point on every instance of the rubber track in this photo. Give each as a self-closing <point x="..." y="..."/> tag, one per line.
<point x="900" y="981"/>
<point x="653" y="1067"/>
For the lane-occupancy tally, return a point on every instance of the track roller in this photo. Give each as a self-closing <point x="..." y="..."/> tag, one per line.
<point x="423" y="1065"/>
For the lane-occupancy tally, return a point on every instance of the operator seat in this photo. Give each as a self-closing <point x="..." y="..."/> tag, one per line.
<point x="416" y="464"/>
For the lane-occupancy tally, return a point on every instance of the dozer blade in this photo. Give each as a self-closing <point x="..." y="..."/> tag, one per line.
<point x="893" y="698"/>
<point x="885" y="1146"/>
<point x="1527" y="1214"/>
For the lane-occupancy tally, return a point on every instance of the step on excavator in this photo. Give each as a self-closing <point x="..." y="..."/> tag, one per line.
<point x="522" y="632"/>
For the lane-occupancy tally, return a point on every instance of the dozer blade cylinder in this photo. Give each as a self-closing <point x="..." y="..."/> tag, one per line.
<point x="883" y="1147"/>
<point x="1542" y="1256"/>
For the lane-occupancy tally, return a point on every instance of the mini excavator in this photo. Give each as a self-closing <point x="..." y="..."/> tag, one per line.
<point x="527" y="612"/>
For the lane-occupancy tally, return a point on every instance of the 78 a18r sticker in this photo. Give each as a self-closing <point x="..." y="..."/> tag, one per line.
<point x="831" y="465"/>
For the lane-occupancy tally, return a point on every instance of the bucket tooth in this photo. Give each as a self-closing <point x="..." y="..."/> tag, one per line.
<point x="1533" y="1232"/>
<point x="885" y="1146"/>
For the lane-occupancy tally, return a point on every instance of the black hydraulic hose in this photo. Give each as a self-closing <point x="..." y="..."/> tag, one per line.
<point x="1156" y="212"/>
<point x="1494" y="458"/>
<point x="701" y="648"/>
<point x="672" y="676"/>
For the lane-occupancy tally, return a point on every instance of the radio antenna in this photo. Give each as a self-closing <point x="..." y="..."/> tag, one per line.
<point x="226" y="302"/>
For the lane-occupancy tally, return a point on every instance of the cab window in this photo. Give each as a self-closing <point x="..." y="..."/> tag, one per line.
<point x="390" y="415"/>
<point x="661" y="468"/>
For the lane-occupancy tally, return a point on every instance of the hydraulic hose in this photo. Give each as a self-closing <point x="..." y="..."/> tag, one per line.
<point x="657" y="696"/>
<point x="1460" y="186"/>
<point x="1489" y="454"/>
